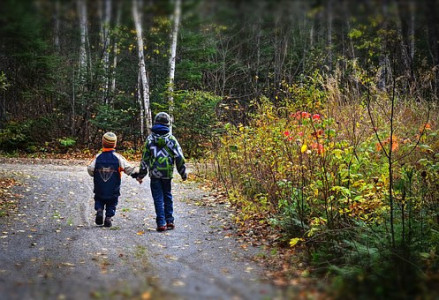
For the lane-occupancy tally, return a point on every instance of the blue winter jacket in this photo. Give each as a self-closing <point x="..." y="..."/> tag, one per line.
<point x="106" y="170"/>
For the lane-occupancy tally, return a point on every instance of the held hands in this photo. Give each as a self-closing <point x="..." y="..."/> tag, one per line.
<point x="135" y="175"/>
<point x="184" y="177"/>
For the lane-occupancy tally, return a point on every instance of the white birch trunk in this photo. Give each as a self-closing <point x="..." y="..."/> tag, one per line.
<point x="82" y="12"/>
<point x="139" y="100"/>
<point x="115" y="50"/>
<point x="177" y="14"/>
<point x="145" y="84"/>
<point x="105" y="40"/>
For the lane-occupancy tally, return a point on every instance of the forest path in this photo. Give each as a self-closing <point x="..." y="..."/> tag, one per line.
<point x="50" y="247"/>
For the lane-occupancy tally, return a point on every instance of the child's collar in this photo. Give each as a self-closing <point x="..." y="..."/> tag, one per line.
<point x="107" y="149"/>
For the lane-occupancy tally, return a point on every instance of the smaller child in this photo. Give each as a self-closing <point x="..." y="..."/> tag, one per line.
<point x="106" y="169"/>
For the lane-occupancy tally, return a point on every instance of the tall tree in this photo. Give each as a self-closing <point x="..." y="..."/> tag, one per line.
<point x="84" y="62"/>
<point x="136" y="8"/>
<point x="83" y="57"/>
<point x="173" y="54"/>
<point x="105" y="41"/>
<point x="56" y="25"/>
<point x="116" y="48"/>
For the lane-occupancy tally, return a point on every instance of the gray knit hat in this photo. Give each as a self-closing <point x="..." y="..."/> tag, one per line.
<point x="162" y="118"/>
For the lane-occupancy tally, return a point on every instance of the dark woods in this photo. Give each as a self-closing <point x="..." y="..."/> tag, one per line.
<point x="69" y="69"/>
<point x="319" y="119"/>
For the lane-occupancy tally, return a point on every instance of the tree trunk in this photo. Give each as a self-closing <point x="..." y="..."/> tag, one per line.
<point x="177" y="13"/>
<point x="105" y="41"/>
<point x="73" y="118"/>
<point x="330" y="17"/>
<point x="383" y="70"/>
<point x="116" y="49"/>
<point x="433" y="44"/>
<point x="82" y="13"/>
<point x="139" y="100"/>
<point x="145" y="83"/>
<point x="56" y="25"/>
<point x="412" y="8"/>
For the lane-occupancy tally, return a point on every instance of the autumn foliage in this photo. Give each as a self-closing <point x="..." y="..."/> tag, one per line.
<point x="318" y="171"/>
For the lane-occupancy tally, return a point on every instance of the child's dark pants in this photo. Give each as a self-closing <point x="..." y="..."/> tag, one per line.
<point x="161" y="193"/>
<point x="108" y="204"/>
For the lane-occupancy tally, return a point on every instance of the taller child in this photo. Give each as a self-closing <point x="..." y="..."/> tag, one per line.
<point x="160" y="153"/>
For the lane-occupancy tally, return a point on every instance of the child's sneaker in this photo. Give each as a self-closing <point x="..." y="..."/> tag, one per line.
<point x="99" y="217"/>
<point x="161" y="228"/>
<point x="107" y="222"/>
<point x="170" y="226"/>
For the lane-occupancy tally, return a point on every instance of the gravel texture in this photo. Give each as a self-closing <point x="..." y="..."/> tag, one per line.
<point x="50" y="247"/>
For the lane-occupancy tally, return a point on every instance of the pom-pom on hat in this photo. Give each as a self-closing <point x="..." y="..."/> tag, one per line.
<point x="109" y="140"/>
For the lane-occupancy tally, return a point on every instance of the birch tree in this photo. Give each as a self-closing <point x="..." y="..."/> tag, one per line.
<point x="82" y="13"/>
<point x="105" y="41"/>
<point x="173" y="54"/>
<point x="139" y="100"/>
<point x="142" y="69"/>
<point x="116" y="49"/>
<point x="83" y="57"/>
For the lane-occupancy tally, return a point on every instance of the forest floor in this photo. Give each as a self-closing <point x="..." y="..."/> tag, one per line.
<point x="50" y="247"/>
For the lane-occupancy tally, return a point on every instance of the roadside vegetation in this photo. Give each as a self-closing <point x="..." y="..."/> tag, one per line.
<point x="348" y="177"/>
<point x="316" y="120"/>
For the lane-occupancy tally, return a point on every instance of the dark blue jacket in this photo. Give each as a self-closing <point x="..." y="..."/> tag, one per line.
<point x="107" y="176"/>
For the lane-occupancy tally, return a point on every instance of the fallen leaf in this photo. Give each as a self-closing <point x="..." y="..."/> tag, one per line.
<point x="178" y="283"/>
<point x="67" y="264"/>
<point x="146" y="296"/>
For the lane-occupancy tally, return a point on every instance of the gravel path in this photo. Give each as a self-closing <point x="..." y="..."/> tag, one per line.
<point x="50" y="247"/>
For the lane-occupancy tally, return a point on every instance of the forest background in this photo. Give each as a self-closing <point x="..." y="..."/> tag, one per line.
<point x="317" y="118"/>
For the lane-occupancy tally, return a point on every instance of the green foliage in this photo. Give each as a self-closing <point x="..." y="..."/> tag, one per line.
<point x="319" y="181"/>
<point x="67" y="142"/>
<point x="3" y="82"/>
<point x="118" y="117"/>
<point x="25" y="135"/>
<point x="195" y="120"/>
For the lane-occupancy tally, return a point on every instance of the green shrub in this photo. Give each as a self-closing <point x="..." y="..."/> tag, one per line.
<point x="27" y="135"/>
<point x="195" y="121"/>
<point x="67" y="142"/>
<point x="321" y="177"/>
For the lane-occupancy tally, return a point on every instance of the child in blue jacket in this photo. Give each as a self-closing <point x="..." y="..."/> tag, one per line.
<point x="106" y="169"/>
<point x="160" y="153"/>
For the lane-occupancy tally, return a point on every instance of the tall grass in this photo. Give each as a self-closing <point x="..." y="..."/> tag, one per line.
<point x="347" y="171"/>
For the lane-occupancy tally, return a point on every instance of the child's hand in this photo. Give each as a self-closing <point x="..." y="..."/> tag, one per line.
<point x="184" y="177"/>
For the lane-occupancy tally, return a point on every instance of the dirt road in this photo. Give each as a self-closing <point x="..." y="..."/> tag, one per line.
<point x="50" y="247"/>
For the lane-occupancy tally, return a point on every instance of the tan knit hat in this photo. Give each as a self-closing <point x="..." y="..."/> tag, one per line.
<point x="109" y="140"/>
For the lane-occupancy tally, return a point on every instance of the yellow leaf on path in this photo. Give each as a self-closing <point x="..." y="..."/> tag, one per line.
<point x="146" y="296"/>
<point x="303" y="149"/>
<point x="141" y="232"/>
